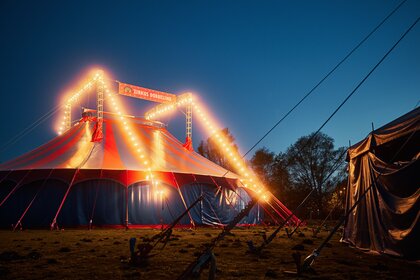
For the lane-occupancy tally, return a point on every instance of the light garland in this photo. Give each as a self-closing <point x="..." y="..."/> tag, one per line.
<point x="74" y="98"/>
<point x="183" y="99"/>
<point x="134" y="139"/>
<point x="248" y="179"/>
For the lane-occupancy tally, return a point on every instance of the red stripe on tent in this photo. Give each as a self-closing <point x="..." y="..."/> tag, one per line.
<point x="112" y="159"/>
<point x="197" y="165"/>
<point x="204" y="179"/>
<point x="166" y="177"/>
<point x="171" y="142"/>
<point x="116" y="175"/>
<point x="87" y="174"/>
<point x="222" y="171"/>
<point x="183" y="179"/>
<point x="130" y="149"/>
<point x="198" y="158"/>
<point x="145" y="135"/>
<point x="60" y="151"/>
<point x="175" y="162"/>
<point x="134" y="176"/>
<point x="40" y="151"/>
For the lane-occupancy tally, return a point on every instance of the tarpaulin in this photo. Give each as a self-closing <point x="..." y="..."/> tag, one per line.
<point x="387" y="218"/>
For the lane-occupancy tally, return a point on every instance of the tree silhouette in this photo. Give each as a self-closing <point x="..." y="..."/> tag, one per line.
<point x="211" y="150"/>
<point x="313" y="163"/>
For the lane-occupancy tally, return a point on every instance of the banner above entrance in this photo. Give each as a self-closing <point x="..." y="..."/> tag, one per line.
<point x="145" y="93"/>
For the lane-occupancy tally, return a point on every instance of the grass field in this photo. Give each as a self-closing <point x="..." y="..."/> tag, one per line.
<point x="102" y="254"/>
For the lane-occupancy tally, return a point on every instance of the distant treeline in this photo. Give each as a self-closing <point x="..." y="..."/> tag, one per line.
<point x="312" y="162"/>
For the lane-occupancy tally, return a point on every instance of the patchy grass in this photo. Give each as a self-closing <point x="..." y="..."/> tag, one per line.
<point x="102" y="254"/>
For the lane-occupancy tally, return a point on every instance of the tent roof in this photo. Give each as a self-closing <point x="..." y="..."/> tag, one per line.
<point x="399" y="128"/>
<point x="75" y="150"/>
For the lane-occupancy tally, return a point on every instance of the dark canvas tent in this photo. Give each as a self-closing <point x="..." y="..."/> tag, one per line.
<point x="74" y="181"/>
<point x="386" y="220"/>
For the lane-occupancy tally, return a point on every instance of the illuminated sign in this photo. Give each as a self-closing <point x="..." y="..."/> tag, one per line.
<point x="145" y="93"/>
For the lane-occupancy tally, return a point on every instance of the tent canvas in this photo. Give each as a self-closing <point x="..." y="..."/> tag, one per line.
<point x="74" y="181"/>
<point x="386" y="220"/>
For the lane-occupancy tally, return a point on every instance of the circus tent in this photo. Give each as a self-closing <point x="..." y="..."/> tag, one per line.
<point x="77" y="180"/>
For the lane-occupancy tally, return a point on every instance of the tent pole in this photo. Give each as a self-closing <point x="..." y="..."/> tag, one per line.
<point x="54" y="221"/>
<point x="15" y="187"/>
<point x="223" y="194"/>
<point x="294" y="218"/>
<point x="19" y="222"/>
<point x="278" y="212"/>
<point x="94" y="202"/>
<point x="283" y="210"/>
<point x="201" y="204"/>
<point x="183" y="200"/>
<point x="211" y="207"/>
<point x="268" y="212"/>
<point x="126" y="208"/>
<point x="126" y="200"/>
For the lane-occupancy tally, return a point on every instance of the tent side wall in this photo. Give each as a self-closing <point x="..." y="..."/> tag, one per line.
<point x="104" y="203"/>
<point x="386" y="220"/>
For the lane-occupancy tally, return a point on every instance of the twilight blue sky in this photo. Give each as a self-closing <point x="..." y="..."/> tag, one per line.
<point x="249" y="61"/>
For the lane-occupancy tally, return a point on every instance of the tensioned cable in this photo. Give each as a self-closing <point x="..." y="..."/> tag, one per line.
<point x="362" y="81"/>
<point x="325" y="77"/>
<point x="311" y="258"/>
<point x="29" y="128"/>
<point x="322" y="80"/>
<point x="331" y="172"/>
<point x="338" y="108"/>
<point x="368" y="75"/>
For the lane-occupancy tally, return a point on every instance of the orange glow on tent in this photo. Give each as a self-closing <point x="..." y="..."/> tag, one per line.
<point x="156" y="160"/>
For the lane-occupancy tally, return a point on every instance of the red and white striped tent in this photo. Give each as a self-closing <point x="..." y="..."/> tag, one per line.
<point x="74" y="181"/>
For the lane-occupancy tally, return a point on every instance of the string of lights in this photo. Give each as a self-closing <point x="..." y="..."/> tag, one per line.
<point x="248" y="178"/>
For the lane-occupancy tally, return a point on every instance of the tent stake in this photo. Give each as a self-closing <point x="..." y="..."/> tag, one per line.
<point x="195" y="268"/>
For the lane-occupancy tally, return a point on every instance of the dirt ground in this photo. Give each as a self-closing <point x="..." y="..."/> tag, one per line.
<point x="103" y="254"/>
